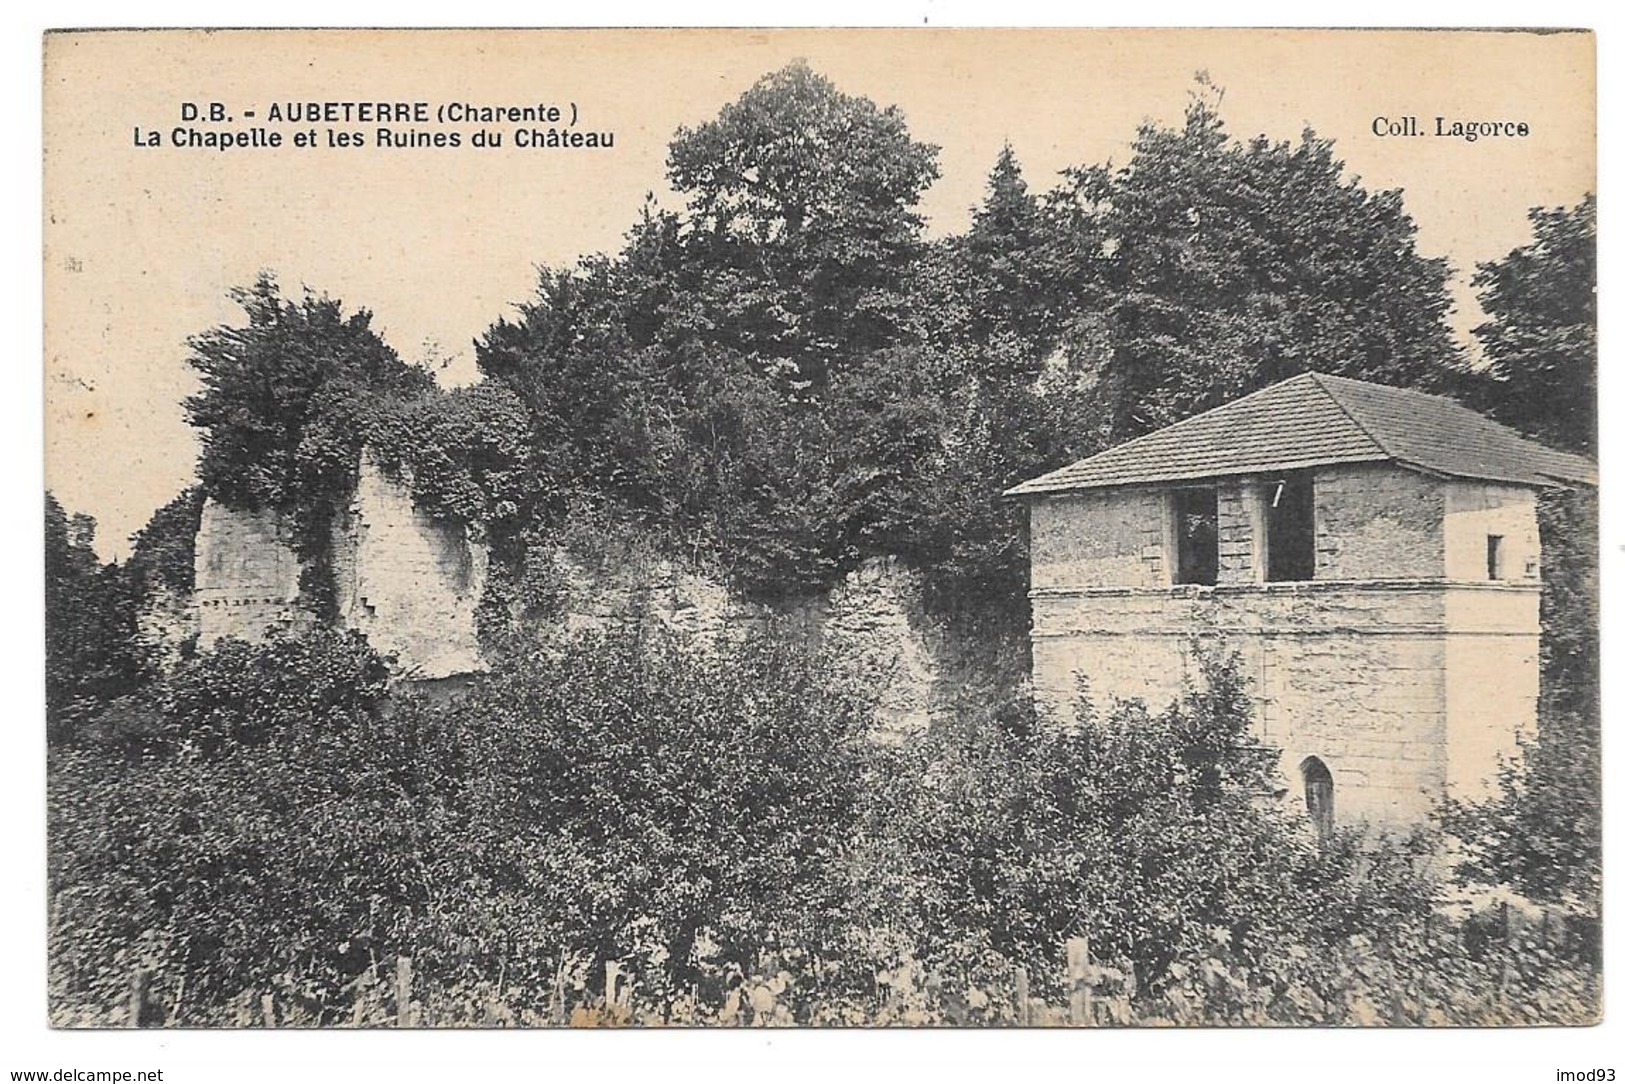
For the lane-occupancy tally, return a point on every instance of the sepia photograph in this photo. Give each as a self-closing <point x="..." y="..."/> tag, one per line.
<point x="821" y="528"/>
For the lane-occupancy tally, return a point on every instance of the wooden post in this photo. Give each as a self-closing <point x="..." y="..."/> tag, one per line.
<point x="403" y="991"/>
<point x="1024" y="1011"/>
<point x="558" y="1013"/>
<point x="1081" y="1003"/>
<point x="140" y="978"/>
<point x="1506" y="952"/>
<point x="175" y="1009"/>
<point x="268" y="1010"/>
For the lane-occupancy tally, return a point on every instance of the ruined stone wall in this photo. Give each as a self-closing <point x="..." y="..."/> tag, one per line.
<point x="247" y="574"/>
<point x="167" y="623"/>
<point x="409" y="582"/>
<point x="412" y="585"/>
<point x="871" y="623"/>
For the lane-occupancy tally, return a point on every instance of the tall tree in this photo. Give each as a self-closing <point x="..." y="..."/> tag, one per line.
<point x="1223" y="266"/>
<point x="91" y="650"/>
<point x="801" y="217"/>
<point x="1541" y="338"/>
<point x="1009" y="283"/>
<point x="281" y="397"/>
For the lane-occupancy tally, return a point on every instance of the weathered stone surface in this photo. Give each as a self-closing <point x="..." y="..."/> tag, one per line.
<point x="247" y="574"/>
<point x="1402" y="666"/>
<point x="412" y="584"/>
<point x="871" y="623"/>
<point x="409" y="582"/>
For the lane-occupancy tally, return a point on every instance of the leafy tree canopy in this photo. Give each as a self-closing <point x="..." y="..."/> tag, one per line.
<point x="801" y="220"/>
<point x="1224" y="266"/>
<point x="281" y="397"/>
<point x="1541" y="337"/>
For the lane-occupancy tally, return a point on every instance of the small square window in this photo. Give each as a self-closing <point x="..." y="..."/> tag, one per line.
<point x="1494" y="555"/>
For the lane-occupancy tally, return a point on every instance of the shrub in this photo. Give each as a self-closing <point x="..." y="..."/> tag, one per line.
<point x="289" y="830"/>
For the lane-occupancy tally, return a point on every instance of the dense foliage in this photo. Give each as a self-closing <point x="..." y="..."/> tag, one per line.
<point x="783" y="377"/>
<point x="1217" y="267"/>
<point x="790" y="313"/>
<point x="716" y="826"/>
<point x="281" y="411"/>
<point x="1542" y="833"/>
<point x="1541" y="336"/>
<point x="162" y="553"/>
<point x="93" y="654"/>
<point x="277" y="828"/>
<point x="779" y="380"/>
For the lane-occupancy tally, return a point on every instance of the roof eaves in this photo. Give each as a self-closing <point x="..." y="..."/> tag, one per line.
<point x="1036" y="488"/>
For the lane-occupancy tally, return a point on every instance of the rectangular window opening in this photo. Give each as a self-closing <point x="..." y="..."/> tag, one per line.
<point x="1196" y="536"/>
<point x="1493" y="557"/>
<point x="1289" y="528"/>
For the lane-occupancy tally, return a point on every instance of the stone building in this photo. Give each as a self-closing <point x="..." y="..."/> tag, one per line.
<point x="1369" y="554"/>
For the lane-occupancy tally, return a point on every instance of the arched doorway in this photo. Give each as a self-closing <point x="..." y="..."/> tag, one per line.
<point x="1317" y="795"/>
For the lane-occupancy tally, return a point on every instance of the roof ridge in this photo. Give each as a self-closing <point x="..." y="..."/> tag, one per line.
<point x="1132" y="441"/>
<point x="1348" y="413"/>
<point x="1451" y="401"/>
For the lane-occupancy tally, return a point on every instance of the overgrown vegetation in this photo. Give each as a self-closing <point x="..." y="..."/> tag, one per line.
<point x="92" y="653"/>
<point x="700" y="822"/>
<point x="282" y="411"/>
<point x="785" y="375"/>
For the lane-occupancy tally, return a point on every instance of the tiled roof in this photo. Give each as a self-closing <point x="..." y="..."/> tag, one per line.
<point x="1316" y="419"/>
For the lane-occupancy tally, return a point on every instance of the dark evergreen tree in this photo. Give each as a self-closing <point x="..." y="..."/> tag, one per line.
<point x="1541" y="337"/>
<point x="92" y="653"/>
<point x="1220" y="267"/>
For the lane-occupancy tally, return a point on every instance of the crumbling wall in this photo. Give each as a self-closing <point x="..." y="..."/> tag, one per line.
<point x="413" y="584"/>
<point x="871" y="623"/>
<point x="409" y="582"/>
<point x="247" y="574"/>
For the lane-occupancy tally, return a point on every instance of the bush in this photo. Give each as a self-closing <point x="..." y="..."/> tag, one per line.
<point x="93" y="654"/>
<point x="288" y="830"/>
<point x="717" y="829"/>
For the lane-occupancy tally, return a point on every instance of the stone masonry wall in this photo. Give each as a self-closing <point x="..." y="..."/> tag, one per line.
<point x="870" y="623"/>
<point x="1352" y="675"/>
<point x="1378" y="522"/>
<point x="412" y="584"/>
<point x="1099" y="538"/>
<point x="409" y="582"/>
<point x="247" y="574"/>
<point x="1403" y="682"/>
